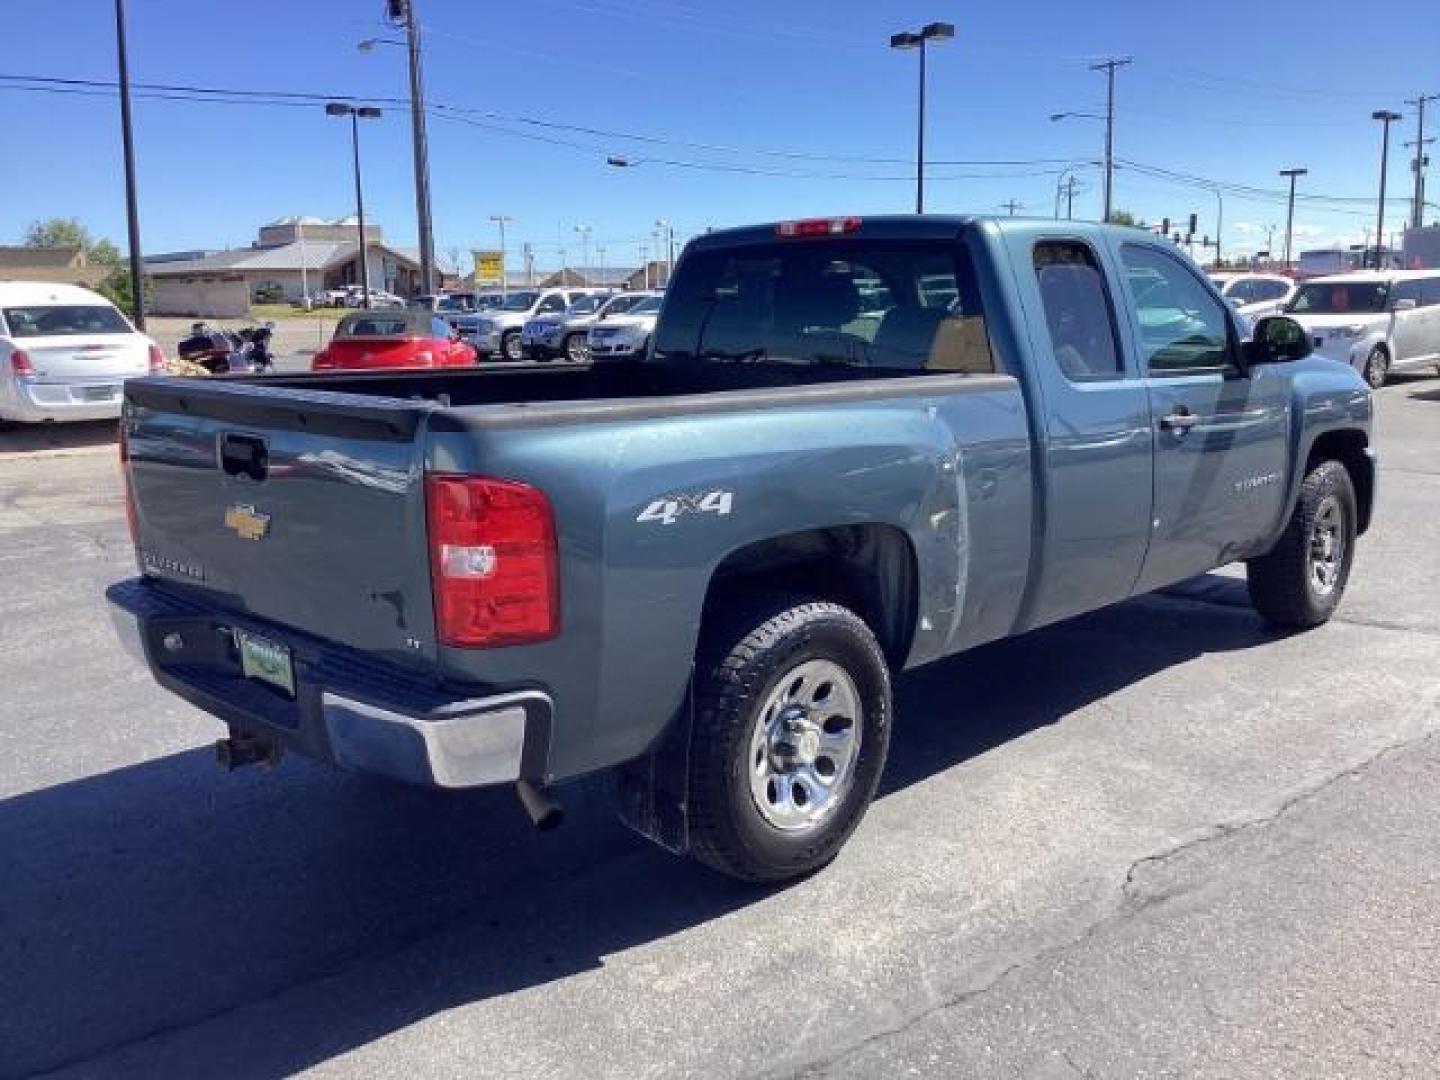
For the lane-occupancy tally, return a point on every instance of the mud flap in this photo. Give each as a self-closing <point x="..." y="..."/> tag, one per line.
<point x="652" y="792"/>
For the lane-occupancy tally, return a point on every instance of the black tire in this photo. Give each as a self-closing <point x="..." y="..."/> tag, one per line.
<point x="510" y="347"/>
<point x="1284" y="586"/>
<point x="1377" y="367"/>
<point x="740" y="668"/>
<point x="573" y="348"/>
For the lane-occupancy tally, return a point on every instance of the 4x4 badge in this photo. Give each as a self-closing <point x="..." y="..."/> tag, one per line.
<point x="248" y="523"/>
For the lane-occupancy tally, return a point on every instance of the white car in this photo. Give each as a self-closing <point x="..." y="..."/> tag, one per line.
<point x="1377" y="321"/>
<point x="1254" y="295"/>
<point x="627" y="335"/>
<point x="65" y="353"/>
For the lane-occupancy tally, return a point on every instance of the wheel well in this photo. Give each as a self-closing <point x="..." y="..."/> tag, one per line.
<point x="868" y="568"/>
<point x="1348" y="448"/>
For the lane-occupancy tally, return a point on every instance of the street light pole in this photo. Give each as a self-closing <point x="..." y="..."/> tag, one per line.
<point x="936" y="31"/>
<point x="1386" y="118"/>
<point x="356" y="114"/>
<point x="668" y="231"/>
<point x="132" y="210"/>
<point x="584" y="231"/>
<point x="1109" y="66"/>
<point x="1290" y="208"/>
<point x="501" y="219"/>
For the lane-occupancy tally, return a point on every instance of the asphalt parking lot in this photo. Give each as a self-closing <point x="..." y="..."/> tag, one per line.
<point x="1159" y="840"/>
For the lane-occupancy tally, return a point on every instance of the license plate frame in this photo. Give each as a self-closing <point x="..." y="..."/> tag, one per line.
<point x="98" y="393"/>
<point x="266" y="660"/>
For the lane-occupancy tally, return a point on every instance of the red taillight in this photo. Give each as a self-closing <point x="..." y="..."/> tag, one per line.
<point x="157" y="359"/>
<point x="493" y="561"/>
<point x="131" y="518"/>
<point x="818" y="227"/>
<point x="20" y="364"/>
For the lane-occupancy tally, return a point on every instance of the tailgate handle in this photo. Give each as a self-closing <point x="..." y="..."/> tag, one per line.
<point x="243" y="455"/>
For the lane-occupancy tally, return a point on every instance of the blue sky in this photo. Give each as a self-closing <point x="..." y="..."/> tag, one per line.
<point x="767" y="110"/>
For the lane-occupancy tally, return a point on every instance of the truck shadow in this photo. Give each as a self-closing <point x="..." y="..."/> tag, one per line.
<point x="18" y="439"/>
<point x="181" y="922"/>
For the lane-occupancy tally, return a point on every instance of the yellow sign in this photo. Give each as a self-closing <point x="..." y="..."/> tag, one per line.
<point x="489" y="267"/>
<point x="248" y="523"/>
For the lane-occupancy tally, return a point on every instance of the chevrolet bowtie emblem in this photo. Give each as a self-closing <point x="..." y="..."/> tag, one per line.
<point x="248" y="523"/>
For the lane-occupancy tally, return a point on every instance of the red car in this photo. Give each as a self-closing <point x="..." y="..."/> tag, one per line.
<point x="413" y="338"/>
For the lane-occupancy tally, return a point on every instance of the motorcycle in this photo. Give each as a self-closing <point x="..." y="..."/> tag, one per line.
<point x="218" y="351"/>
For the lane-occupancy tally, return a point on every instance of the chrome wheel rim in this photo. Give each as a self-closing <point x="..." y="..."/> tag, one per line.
<point x="575" y="349"/>
<point x="513" y="349"/>
<point x="805" y="745"/>
<point x="1327" y="547"/>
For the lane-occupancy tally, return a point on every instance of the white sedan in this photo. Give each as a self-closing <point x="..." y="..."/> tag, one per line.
<point x="65" y="353"/>
<point x="624" y="336"/>
<point x="1254" y="295"/>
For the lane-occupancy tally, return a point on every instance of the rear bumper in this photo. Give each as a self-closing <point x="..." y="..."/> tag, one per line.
<point x="349" y="709"/>
<point x="32" y="402"/>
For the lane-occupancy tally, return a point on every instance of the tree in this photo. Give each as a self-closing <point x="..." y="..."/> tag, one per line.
<point x="71" y="232"/>
<point x="116" y="288"/>
<point x="1125" y="217"/>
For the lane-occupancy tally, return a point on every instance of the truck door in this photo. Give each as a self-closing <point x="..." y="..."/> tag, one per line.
<point x="1221" y="438"/>
<point x="1096" y="420"/>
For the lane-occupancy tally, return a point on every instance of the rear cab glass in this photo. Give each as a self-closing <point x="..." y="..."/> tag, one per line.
<point x="61" y="320"/>
<point x="870" y="305"/>
<point x="1340" y="297"/>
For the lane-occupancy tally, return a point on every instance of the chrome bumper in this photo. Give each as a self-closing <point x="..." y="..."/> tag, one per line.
<point x="432" y="742"/>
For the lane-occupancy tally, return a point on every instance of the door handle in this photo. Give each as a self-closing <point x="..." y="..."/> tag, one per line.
<point x="1180" y="421"/>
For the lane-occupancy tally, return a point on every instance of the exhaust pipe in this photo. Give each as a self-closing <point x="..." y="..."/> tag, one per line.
<point x="545" y="813"/>
<point x="242" y="749"/>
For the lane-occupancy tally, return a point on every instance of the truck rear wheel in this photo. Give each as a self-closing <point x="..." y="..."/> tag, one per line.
<point x="1300" y="581"/>
<point x="791" y="731"/>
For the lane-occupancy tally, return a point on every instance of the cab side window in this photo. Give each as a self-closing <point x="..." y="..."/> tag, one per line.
<point x="553" y="303"/>
<point x="1078" y="312"/>
<point x="1183" y="328"/>
<point x="1430" y="291"/>
<point x="1408" y="290"/>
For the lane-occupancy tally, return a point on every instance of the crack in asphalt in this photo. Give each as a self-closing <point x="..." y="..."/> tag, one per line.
<point x="1129" y="904"/>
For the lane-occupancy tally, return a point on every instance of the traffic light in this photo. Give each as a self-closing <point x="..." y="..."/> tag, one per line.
<point x="1165" y="226"/>
<point x="1194" y="224"/>
<point x="397" y="11"/>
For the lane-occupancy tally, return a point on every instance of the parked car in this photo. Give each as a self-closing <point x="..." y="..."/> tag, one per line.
<point x="379" y="298"/>
<point x="703" y="566"/>
<point x="1377" y="321"/>
<point x="64" y="353"/>
<point x="1254" y="295"/>
<point x="547" y="336"/>
<point x="625" y="335"/>
<point x="495" y="331"/>
<point x="409" y="338"/>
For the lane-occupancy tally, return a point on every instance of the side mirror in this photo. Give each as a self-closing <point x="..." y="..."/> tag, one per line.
<point x="1277" y="339"/>
<point x="1405" y="304"/>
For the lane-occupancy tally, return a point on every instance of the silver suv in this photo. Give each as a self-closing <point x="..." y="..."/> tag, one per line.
<point x="496" y="331"/>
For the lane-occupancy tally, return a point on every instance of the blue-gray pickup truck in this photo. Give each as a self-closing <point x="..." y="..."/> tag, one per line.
<point x="855" y="446"/>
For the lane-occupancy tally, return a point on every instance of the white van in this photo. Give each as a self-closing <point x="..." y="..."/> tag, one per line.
<point x="1377" y="321"/>
<point x="65" y="353"/>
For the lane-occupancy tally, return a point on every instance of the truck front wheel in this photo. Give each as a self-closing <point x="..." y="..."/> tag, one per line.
<point x="1300" y="581"/>
<point x="792" y="726"/>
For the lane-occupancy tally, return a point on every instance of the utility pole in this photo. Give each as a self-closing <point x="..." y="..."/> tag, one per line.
<point x="585" y="231"/>
<point x="132" y="210"/>
<point x="402" y="13"/>
<point x="1291" y="174"/>
<point x="1109" y="66"/>
<point x="1417" y="213"/>
<point x="529" y="264"/>
<point x="667" y="231"/>
<point x="1012" y="205"/>
<point x="1386" y="118"/>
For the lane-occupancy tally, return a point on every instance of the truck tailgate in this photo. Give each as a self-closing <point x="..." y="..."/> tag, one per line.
<point x="301" y="507"/>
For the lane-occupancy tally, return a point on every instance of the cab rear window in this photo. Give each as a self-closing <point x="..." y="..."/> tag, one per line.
<point x="57" y="320"/>
<point x="859" y="304"/>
